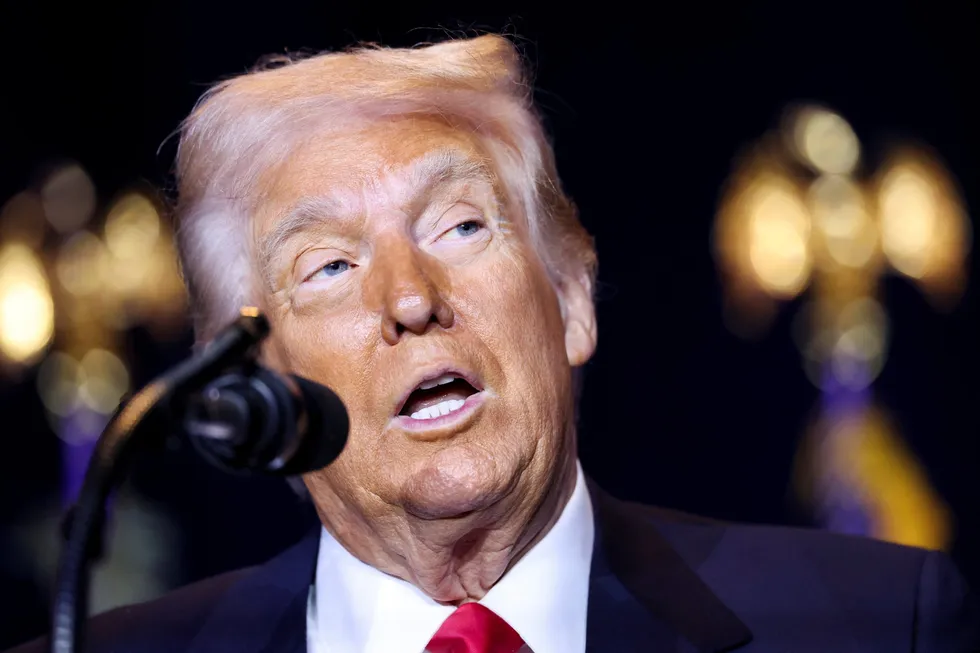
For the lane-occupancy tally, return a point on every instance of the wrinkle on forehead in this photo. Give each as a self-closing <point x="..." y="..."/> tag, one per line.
<point x="407" y="161"/>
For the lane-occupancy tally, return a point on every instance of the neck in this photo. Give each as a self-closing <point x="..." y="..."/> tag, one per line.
<point x="456" y="561"/>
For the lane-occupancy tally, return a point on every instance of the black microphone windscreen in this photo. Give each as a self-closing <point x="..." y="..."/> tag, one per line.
<point x="326" y="429"/>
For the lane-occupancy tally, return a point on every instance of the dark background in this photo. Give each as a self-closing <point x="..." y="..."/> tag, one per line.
<point x="648" y="105"/>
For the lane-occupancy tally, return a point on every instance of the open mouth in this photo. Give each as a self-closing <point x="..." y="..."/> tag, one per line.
<point x="437" y="397"/>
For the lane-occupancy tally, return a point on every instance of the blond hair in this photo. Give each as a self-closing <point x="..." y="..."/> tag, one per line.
<point x="248" y="123"/>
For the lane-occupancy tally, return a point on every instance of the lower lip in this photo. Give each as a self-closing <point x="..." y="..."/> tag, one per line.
<point x="444" y="424"/>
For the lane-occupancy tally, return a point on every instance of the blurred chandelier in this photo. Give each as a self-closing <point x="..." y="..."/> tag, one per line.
<point x="798" y="214"/>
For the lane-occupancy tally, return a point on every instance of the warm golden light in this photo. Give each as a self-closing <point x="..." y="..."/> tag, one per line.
<point x="69" y="199"/>
<point x="82" y="265"/>
<point x="841" y="217"/>
<point x="26" y="306"/>
<point x="779" y="231"/>
<point x="909" y="217"/>
<point x="924" y="228"/>
<point x="132" y="227"/>
<point x="825" y="141"/>
<point x="904" y="507"/>
<point x="162" y="302"/>
<point x="129" y="276"/>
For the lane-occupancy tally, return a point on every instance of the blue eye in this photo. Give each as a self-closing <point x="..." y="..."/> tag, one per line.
<point x="333" y="268"/>
<point x="468" y="228"/>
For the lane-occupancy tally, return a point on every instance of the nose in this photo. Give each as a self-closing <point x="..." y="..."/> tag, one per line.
<point x="404" y="283"/>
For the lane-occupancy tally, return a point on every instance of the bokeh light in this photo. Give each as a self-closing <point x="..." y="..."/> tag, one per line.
<point x="850" y="342"/>
<point x="110" y="269"/>
<point x="909" y="220"/>
<point x="26" y="306"/>
<point x="861" y="478"/>
<point x="779" y="232"/>
<point x="825" y="141"/>
<point x="68" y="197"/>
<point x="132" y="232"/>
<point x="98" y="380"/>
<point x="924" y="228"/>
<point x="761" y="239"/>
<point x="82" y="265"/>
<point x="860" y="343"/>
<point x="859" y="456"/>
<point x="132" y="227"/>
<point x="104" y="380"/>
<point x="160" y="300"/>
<point x="58" y="379"/>
<point x="841" y="216"/>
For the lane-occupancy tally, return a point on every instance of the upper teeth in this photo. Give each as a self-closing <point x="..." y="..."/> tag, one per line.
<point x="442" y="380"/>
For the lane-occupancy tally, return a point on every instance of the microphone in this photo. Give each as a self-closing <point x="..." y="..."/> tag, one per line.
<point x="240" y="417"/>
<point x="249" y="420"/>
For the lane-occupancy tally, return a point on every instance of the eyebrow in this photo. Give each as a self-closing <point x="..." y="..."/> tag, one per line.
<point x="424" y="175"/>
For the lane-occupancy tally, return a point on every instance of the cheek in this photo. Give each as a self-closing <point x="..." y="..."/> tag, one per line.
<point x="324" y="350"/>
<point x="515" y="311"/>
<point x="333" y="352"/>
<point x="525" y="304"/>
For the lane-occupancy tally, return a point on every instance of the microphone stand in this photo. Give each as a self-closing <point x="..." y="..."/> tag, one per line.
<point x="141" y="419"/>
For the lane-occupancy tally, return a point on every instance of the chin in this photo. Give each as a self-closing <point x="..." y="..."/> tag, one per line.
<point x="457" y="482"/>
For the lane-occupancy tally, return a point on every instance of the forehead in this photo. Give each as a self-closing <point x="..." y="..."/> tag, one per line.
<point x="381" y="158"/>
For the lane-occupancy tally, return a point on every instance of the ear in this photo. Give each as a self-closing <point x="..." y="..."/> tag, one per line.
<point x="578" y="313"/>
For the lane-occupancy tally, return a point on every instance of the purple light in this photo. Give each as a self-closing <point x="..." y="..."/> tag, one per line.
<point x="840" y="505"/>
<point x="79" y="432"/>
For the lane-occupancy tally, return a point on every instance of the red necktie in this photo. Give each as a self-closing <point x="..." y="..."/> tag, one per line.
<point x="475" y="629"/>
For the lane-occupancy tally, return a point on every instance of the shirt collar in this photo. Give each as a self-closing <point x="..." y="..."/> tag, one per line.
<point x="353" y="607"/>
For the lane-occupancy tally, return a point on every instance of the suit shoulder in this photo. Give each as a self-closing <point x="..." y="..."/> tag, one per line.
<point x="830" y="552"/>
<point x="762" y="550"/>
<point x="168" y="623"/>
<point x="800" y="568"/>
<point x="851" y="567"/>
<point x="814" y="545"/>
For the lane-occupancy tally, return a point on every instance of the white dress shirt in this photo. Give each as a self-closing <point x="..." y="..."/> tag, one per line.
<point x="354" y="608"/>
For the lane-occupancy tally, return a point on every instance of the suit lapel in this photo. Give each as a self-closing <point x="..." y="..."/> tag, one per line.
<point x="266" y="611"/>
<point x="616" y="620"/>
<point x="643" y="593"/>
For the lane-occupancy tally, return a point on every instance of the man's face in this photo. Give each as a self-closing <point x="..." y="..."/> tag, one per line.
<point x="392" y="261"/>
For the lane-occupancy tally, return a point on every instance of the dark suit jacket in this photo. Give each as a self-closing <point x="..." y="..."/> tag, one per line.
<point x="660" y="582"/>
